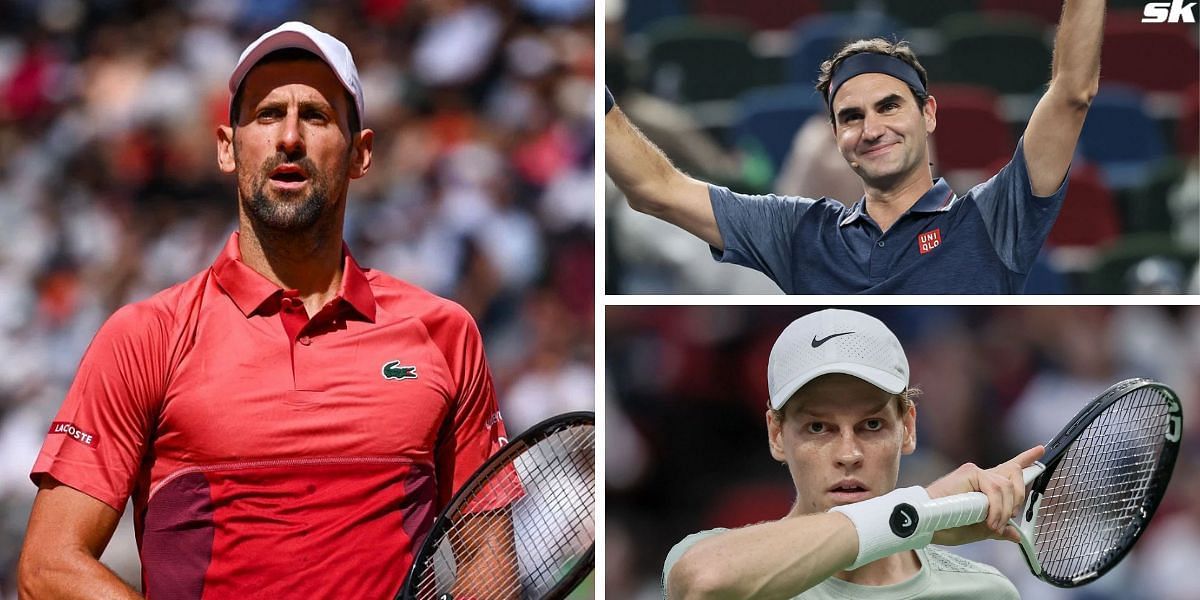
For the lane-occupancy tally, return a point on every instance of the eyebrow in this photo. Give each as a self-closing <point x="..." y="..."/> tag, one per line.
<point x="823" y="415"/>
<point x="304" y="105"/>
<point x="851" y="110"/>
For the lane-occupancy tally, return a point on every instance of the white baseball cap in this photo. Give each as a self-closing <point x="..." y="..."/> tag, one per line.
<point x="295" y="34"/>
<point x="835" y="341"/>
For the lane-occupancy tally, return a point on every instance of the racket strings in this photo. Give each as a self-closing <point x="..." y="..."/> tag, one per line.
<point x="1098" y="490"/>
<point x="545" y="495"/>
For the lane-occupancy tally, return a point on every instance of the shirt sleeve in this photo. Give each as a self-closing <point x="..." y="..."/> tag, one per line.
<point x="475" y="430"/>
<point x="678" y="550"/>
<point x="99" y="437"/>
<point x="758" y="231"/>
<point x="1016" y="220"/>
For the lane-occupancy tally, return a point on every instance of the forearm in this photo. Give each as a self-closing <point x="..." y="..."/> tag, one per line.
<point x="779" y="559"/>
<point x="70" y="575"/>
<point x="643" y="173"/>
<point x="1076" y="65"/>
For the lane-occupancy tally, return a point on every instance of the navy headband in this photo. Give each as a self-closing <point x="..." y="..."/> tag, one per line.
<point x="870" y="62"/>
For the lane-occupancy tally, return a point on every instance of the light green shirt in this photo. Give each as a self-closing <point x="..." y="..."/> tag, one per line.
<point x="943" y="576"/>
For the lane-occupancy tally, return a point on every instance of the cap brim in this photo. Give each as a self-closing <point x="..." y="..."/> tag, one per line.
<point x="888" y="382"/>
<point x="280" y="40"/>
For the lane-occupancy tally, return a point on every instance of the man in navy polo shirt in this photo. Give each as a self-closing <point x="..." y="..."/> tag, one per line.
<point x="909" y="234"/>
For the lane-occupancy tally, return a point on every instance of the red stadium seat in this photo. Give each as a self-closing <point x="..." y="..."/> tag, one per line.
<point x="759" y="14"/>
<point x="1159" y="58"/>
<point x="1042" y="10"/>
<point x="1089" y="216"/>
<point x="970" y="133"/>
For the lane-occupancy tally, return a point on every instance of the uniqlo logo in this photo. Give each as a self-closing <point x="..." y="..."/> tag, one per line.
<point x="929" y="240"/>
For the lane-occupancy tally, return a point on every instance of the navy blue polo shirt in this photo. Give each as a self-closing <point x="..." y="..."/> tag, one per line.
<point x="984" y="242"/>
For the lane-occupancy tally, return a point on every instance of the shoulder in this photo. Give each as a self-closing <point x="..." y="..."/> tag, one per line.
<point x="159" y="314"/>
<point x="397" y="300"/>
<point x="967" y="575"/>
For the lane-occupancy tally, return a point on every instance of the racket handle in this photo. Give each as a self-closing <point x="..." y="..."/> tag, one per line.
<point x="958" y="510"/>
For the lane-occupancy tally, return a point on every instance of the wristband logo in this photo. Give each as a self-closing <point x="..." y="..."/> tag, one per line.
<point x="904" y="520"/>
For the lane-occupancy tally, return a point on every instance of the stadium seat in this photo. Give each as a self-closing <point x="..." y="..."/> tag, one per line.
<point x="1146" y="207"/>
<point x="1008" y="54"/>
<point x="1111" y="275"/>
<point x="819" y="36"/>
<point x="1089" y="216"/>
<point x="970" y="132"/>
<point x="1046" y="12"/>
<point x="1121" y="138"/>
<point x="641" y="14"/>
<point x="769" y="118"/>
<point x="693" y="61"/>
<point x="759" y="15"/>
<point x="1157" y="58"/>
<point x="927" y="13"/>
<point x="1187" y="134"/>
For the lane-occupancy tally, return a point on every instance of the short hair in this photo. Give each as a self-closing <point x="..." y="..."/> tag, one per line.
<point x="897" y="49"/>
<point x="287" y="55"/>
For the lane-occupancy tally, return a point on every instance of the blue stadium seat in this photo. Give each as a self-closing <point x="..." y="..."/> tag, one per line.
<point x="1121" y="138"/>
<point x="819" y="36"/>
<point x="769" y="118"/>
<point x="641" y="14"/>
<point x="1008" y="53"/>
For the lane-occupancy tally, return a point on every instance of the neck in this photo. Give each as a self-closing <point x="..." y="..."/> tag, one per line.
<point x="309" y="261"/>
<point x="888" y="570"/>
<point x="886" y="204"/>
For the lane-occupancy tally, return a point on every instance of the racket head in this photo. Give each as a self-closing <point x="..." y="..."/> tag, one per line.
<point x="1106" y="473"/>
<point x="569" y="439"/>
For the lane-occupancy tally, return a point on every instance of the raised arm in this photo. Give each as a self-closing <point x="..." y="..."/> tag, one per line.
<point x="67" y="532"/>
<point x="1054" y="128"/>
<point x="652" y="184"/>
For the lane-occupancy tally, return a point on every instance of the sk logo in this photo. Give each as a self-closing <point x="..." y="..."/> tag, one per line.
<point x="394" y="370"/>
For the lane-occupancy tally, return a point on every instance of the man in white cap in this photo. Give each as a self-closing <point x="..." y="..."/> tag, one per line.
<point x="841" y="414"/>
<point x="286" y="423"/>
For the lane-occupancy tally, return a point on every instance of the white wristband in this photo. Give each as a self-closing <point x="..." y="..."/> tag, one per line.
<point x="884" y="526"/>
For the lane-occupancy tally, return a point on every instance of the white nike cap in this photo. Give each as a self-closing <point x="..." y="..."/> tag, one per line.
<point x="295" y="34"/>
<point x="835" y="341"/>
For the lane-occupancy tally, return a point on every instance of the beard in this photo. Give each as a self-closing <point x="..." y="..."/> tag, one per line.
<point x="287" y="211"/>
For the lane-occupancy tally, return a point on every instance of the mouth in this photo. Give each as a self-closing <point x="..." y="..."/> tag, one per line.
<point x="847" y="491"/>
<point x="288" y="177"/>
<point x="879" y="150"/>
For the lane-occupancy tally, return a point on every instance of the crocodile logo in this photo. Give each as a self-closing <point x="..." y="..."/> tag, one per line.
<point x="395" y="370"/>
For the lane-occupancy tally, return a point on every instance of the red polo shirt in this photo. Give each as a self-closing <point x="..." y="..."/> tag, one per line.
<point x="270" y="454"/>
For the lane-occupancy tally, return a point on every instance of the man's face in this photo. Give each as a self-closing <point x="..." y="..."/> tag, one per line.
<point x="880" y="127"/>
<point x="841" y="438"/>
<point x="293" y="151"/>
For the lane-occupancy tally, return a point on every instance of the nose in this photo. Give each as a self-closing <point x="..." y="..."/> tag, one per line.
<point x="849" y="452"/>
<point x="291" y="138"/>
<point x="872" y="127"/>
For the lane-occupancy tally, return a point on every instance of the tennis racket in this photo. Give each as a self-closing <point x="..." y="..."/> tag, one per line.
<point x="522" y="527"/>
<point x="1091" y="496"/>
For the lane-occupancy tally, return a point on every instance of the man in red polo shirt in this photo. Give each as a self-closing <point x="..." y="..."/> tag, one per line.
<point x="287" y="423"/>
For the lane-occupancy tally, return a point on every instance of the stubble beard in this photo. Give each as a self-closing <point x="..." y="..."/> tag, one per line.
<point x="287" y="211"/>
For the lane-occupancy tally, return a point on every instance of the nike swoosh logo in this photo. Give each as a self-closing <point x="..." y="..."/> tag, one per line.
<point x="817" y="343"/>
<point x="907" y="519"/>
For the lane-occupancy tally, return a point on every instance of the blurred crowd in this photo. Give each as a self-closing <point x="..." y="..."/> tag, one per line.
<point x="687" y="447"/>
<point x="725" y="88"/>
<point x="481" y="189"/>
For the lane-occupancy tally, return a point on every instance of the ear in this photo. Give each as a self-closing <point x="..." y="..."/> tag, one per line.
<point x="360" y="161"/>
<point x="930" y="114"/>
<point x="225" y="149"/>
<point x="909" y="444"/>
<point x="775" y="436"/>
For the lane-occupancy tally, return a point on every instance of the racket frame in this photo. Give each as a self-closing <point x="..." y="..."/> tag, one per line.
<point x="479" y="478"/>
